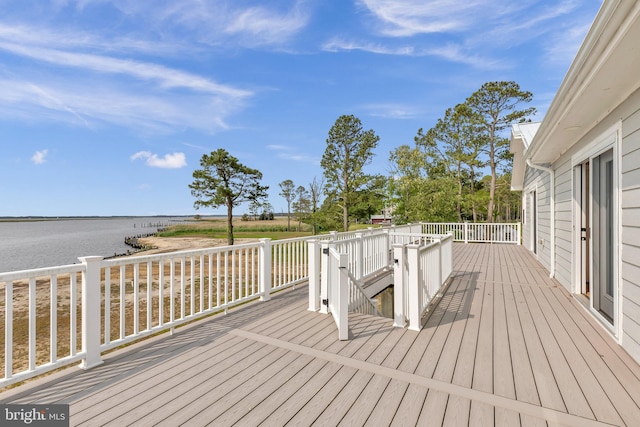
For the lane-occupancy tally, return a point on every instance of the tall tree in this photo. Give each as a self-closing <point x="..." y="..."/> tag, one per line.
<point x="287" y="191"/>
<point x="349" y="149"/>
<point x="452" y="140"/>
<point x="301" y="206"/>
<point x="315" y="199"/>
<point x="497" y="104"/>
<point x="424" y="189"/>
<point x="224" y="181"/>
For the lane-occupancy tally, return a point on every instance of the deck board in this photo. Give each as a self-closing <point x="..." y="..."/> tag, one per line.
<point x="506" y="345"/>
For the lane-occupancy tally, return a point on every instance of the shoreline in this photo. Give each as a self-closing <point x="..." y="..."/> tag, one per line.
<point x="162" y="245"/>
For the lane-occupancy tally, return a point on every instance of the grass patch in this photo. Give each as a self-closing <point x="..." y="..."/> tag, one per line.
<point x="217" y="229"/>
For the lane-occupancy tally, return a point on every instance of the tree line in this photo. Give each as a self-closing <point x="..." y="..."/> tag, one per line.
<point x="458" y="170"/>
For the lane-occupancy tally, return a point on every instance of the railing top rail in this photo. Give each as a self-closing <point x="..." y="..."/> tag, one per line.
<point x="179" y="254"/>
<point x="424" y="247"/>
<point x="41" y="272"/>
<point x="448" y="236"/>
<point x="434" y="235"/>
<point x="297" y="239"/>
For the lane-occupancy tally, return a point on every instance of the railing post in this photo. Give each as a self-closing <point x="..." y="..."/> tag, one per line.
<point x="91" y="297"/>
<point x="414" y="293"/>
<point x="399" y="273"/>
<point x="343" y="299"/>
<point x="519" y="233"/>
<point x="334" y="235"/>
<point x="324" y="278"/>
<point x="466" y="232"/>
<point x="264" y="280"/>
<point x="314" y="275"/>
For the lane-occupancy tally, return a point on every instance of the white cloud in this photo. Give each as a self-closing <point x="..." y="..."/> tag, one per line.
<point x="290" y="153"/>
<point x="221" y="23"/>
<point x="450" y="52"/>
<point x="276" y="147"/>
<point x="402" y="18"/>
<point x="72" y="102"/>
<point x="165" y="77"/>
<point x="261" y="26"/>
<point x="337" y="45"/>
<point x="169" y="161"/>
<point x="40" y="157"/>
<point x="392" y="111"/>
<point x="87" y="84"/>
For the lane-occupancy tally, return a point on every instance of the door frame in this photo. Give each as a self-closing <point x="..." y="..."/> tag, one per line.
<point x="609" y="139"/>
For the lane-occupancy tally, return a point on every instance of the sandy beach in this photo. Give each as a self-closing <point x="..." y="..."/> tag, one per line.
<point x="171" y="244"/>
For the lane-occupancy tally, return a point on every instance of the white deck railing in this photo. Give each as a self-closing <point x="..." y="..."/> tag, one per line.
<point x="472" y="232"/>
<point x="423" y="265"/>
<point x="100" y="304"/>
<point x="421" y="272"/>
<point x="76" y="312"/>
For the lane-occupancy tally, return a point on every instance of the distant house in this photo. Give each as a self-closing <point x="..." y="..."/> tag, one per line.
<point x="579" y="171"/>
<point x="384" y="218"/>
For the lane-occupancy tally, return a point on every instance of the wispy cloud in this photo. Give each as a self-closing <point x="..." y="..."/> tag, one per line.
<point x="169" y="161"/>
<point x="40" y="157"/>
<point x="79" y="104"/>
<point x="87" y="78"/>
<point x="276" y="147"/>
<point x="164" y="76"/>
<point x="450" y="52"/>
<point x="339" y="44"/>
<point x="474" y="31"/>
<point x="392" y="111"/>
<point x="291" y="153"/>
<point x="260" y="25"/>
<point x="402" y="18"/>
<point x="220" y="23"/>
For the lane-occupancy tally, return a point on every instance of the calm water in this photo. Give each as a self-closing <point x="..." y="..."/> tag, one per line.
<point x="25" y="245"/>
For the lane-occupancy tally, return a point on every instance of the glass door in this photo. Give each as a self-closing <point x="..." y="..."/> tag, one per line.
<point x="602" y="218"/>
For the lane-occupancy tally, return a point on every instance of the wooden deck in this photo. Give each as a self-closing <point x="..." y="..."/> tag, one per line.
<point x="505" y="346"/>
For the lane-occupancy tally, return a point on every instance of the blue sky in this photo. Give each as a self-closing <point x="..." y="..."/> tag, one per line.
<point x="107" y="106"/>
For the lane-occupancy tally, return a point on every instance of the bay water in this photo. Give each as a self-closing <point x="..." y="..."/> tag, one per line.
<point x="46" y="243"/>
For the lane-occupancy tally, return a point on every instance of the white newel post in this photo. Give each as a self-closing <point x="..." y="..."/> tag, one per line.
<point x="264" y="281"/>
<point x="519" y="233"/>
<point x="324" y="278"/>
<point x="314" y="275"/>
<point x="415" y="287"/>
<point x="466" y="232"/>
<point x="91" y="297"/>
<point x="399" y="316"/>
<point x="343" y="299"/>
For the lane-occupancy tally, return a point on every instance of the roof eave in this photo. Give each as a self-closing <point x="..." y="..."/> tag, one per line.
<point x="601" y="77"/>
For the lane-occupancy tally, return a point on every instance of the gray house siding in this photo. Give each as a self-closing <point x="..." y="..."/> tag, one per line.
<point x="533" y="178"/>
<point x="629" y="276"/>
<point x="630" y="195"/>
<point x="564" y="221"/>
